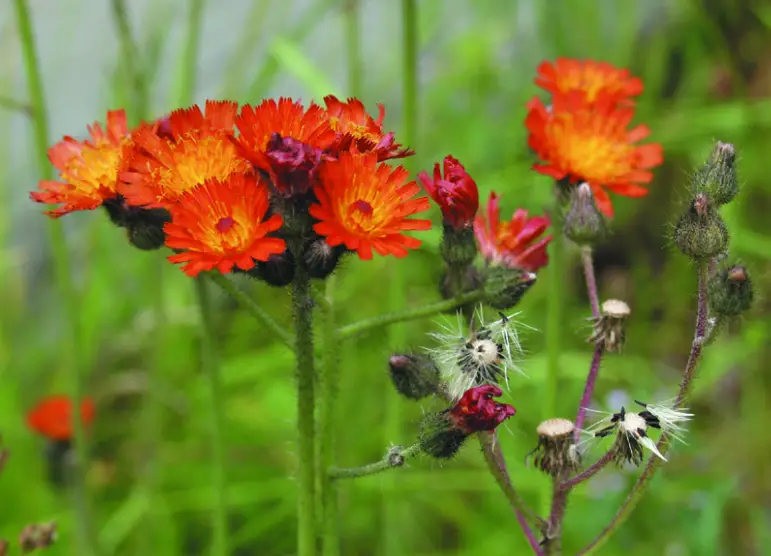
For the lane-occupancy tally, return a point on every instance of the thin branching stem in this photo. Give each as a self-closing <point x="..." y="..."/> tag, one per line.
<point x="394" y="458"/>
<point x="589" y="472"/>
<point x="591" y="282"/>
<point x="702" y="319"/>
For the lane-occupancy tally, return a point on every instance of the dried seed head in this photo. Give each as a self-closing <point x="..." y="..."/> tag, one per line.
<point x="39" y="535"/>
<point x="667" y="417"/>
<point x="556" y="452"/>
<point x="482" y="353"/>
<point x="609" y="326"/>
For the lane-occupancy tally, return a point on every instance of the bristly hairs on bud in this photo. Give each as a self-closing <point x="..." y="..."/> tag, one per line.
<point x="717" y="178"/>
<point x="414" y="375"/>
<point x="478" y="353"/>
<point x="583" y="223"/>
<point x="459" y="246"/>
<point x="321" y="259"/>
<point x="701" y="232"/>
<point x="505" y="287"/>
<point x="730" y="291"/>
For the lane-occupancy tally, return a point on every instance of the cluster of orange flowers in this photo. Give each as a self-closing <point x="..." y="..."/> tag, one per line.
<point x="584" y="135"/>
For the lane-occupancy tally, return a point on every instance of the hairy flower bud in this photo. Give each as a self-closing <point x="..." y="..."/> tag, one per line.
<point x="717" y="178"/>
<point x="701" y="233"/>
<point x="414" y="376"/>
<point x="583" y="223"/>
<point x="556" y="452"/>
<point x="459" y="246"/>
<point x="278" y="270"/>
<point x="321" y="259"/>
<point x="609" y="326"/>
<point x="730" y="291"/>
<point x="144" y="227"/>
<point x="506" y="286"/>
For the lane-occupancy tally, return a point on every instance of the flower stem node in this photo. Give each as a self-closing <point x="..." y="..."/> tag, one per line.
<point x="556" y="452"/>
<point x="609" y="326"/>
<point x="395" y="456"/>
<point x="717" y="178"/>
<point x="701" y="233"/>
<point x="584" y="224"/>
<point x="505" y="286"/>
<point x="730" y="291"/>
<point x="321" y="259"/>
<point x="459" y="247"/>
<point x="443" y="433"/>
<point x="414" y="376"/>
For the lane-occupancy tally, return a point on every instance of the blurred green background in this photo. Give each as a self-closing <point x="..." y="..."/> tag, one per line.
<point x="705" y="64"/>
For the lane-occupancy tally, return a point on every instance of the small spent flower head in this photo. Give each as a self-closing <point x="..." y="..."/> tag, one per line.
<point x="667" y="417"/>
<point x="442" y="434"/>
<point x="482" y="353"/>
<point x="556" y="451"/>
<point x="609" y="326"/>
<point x="631" y="430"/>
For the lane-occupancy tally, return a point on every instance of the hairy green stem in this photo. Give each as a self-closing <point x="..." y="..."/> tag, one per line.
<point x="394" y="458"/>
<point x="302" y="306"/>
<point x="17" y="105"/>
<point x="253" y="308"/>
<point x="413" y="313"/>
<point x="210" y="367"/>
<point x="497" y="467"/>
<point x="639" y="488"/>
<point x="328" y="391"/>
<point x="71" y="354"/>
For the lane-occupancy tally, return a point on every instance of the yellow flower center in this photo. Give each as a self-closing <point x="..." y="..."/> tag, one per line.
<point x="228" y="229"/>
<point x="196" y="160"/>
<point x="93" y="167"/>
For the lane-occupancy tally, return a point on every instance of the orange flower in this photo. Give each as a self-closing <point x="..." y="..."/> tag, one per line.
<point x="285" y="141"/>
<point x="592" y="143"/>
<point x="173" y="156"/>
<point x="364" y="206"/>
<point x="515" y="243"/>
<point x="88" y="169"/>
<point x="355" y="127"/>
<point x="222" y="224"/>
<point x="52" y="417"/>
<point x="592" y="79"/>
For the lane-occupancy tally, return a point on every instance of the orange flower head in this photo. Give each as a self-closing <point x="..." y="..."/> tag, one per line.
<point x="581" y="142"/>
<point x="222" y="224"/>
<point x="52" y="417"/>
<point x="365" y="206"/>
<point x="174" y="155"/>
<point x="285" y="141"/>
<point x="88" y="169"/>
<point x="591" y="79"/>
<point x="355" y="127"/>
<point x="514" y="243"/>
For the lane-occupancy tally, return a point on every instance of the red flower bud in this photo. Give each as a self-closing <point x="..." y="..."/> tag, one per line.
<point x="52" y="417"/>
<point x="456" y="193"/>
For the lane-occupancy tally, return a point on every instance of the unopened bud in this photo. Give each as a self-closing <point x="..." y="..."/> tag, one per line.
<point x="717" y="178"/>
<point x="556" y="452"/>
<point x="146" y="232"/>
<point x="278" y="270"/>
<point x="701" y="233"/>
<point x="321" y="258"/>
<point x="730" y="291"/>
<point x="459" y="247"/>
<point x="583" y="223"/>
<point x="504" y="286"/>
<point x="439" y="437"/>
<point x="608" y="328"/>
<point x="414" y="376"/>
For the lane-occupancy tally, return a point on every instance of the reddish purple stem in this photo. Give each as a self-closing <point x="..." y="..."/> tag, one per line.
<point x="589" y="472"/>
<point x="591" y="380"/>
<point x="591" y="281"/>
<point x="529" y="535"/>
